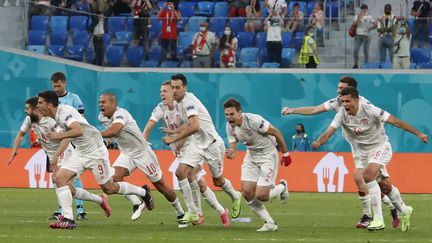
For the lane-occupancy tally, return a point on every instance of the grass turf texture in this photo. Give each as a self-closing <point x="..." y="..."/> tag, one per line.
<point x="307" y="217"/>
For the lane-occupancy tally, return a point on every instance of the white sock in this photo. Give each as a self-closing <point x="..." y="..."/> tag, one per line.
<point x="386" y="200"/>
<point x="87" y="196"/>
<point x="397" y="201"/>
<point x="128" y="189"/>
<point x="276" y="191"/>
<point x="375" y="199"/>
<point x="229" y="189"/>
<point x="211" y="199"/>
<point x="177" y="206"/>
<point x="64" y="195"/>
<point x="135" y="200"/>
<point x="196" y="195"/>
<point x="187" y="195"/>
<point x="366" y="205"/>
<point x="259" y="209"/>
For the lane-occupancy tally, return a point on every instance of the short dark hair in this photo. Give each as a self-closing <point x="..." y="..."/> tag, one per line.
<point x="302" y="126"/>
<point x="168" y="82"/>
<point x="350" y="91"/>
<point x="348" y="80"/>
<point x="296" y="4"/>
<point x="233" y="103"/>
<point x="32" y="102"/>
<point x="309" y="28"/>
<point x="181" y="77"/>
<point x="58" y="76"/>
<point x="50" y="97"/>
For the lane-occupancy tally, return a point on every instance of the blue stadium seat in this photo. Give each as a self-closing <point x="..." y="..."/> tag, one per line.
<point x="81" y="38"/>
<point x="76" y="53"/>
<point x="286" y="39"/>
<point x="237" y="24"/>
<point x="297" y="40"/>
<point x="181" y="24"/>
<point x="56" y="50"/>
<point x="334" y="9"/>
<point x="270" y="65"/>
<point x="248" y="54"/>
<point x="426" y="65"/>
<point x="39" y="23"/>
<point x="78" y="23"/>
<point x="413" y="66"/>
<point x="115" y="24"/>
<point x="420" y="55"/>
<point x="36" y="37"/>
<point x="129" y="24"/>
<point x="411" y="23"/>
<point x="371" y="66"/>
<point x="114" y="55"/>
<point x="155" y="53"/>
<point x="90" y="55"/>
<point x="161" y="4"/>
<point x="217" y="24"/>
<point x="186" y="64"/>
<point x="169" y="64"/>
<point x="59" y="38"/>
<point x="220" y="9"/>
<point x="156" y="25"/>
<point x="59" y="23"/>
<point x="135" y="55"/>
<point x="194" y="23"/>
<point x="245" y="39"/>
<point x="250" y="65"/>
<point x="184" y="41"/>
<point x="261" y="40"/>
<point x="187" y="9"/>
<point x="106" y="39"/>
<point x="36" y="48"/>
<point x="205" y="8"/>
<point x="151" y="64"/>
<point x="216" y="58"/>
<point x="287" y="56"/>
<point x="123" y="38"/>
<point x="263" y="55"/>
<point x="263" y="9"/>
<point x="309" y="8"/>
<point x="387" y="65"/>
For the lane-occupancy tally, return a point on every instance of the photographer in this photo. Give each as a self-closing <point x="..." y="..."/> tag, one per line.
<point x="401" y="46"/>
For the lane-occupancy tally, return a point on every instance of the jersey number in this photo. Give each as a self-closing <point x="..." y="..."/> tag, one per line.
<point x="151" y="169"/>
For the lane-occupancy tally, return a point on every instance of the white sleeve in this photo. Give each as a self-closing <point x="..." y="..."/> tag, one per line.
<point x="26" y="125"/>
<point x="68" y="118"/>
<point x="330" y="104"/>
<point x="230" y="134"/>
<point x="119" y="117"/>
<point x="379" y="114"/>
<point x="157" y="114"/>
<point x="337" y="120"/>
<point x="259" y="124"/>
<point x="191" y="107"/>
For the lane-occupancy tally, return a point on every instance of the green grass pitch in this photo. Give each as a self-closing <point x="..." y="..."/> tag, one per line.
<point x="306" y="217"/>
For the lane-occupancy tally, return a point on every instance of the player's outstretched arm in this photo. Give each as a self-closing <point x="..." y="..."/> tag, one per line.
<point x="286" y="158"/>
<point x="193" y="127"/>
<point x="308" y="110"/>
<point x="148" y="128"/>
<point x="113" y="131"/>
<point x="324" y="138"/>
<point x="75" y="130"/>
<point x="407" y="127"/>
<point x="17" y="143"/>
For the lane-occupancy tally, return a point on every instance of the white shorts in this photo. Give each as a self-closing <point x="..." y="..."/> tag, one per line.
<point x="214" y="156"/>
<point x="380" y="155"/>
<point x="147" y="163"/>
<point x="260" y="169"/>
<point x="65" y="156"/>
<point x="190" y="155"/>
<point x="99" y="166"/>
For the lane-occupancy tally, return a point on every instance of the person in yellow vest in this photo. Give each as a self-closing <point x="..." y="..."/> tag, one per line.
<point x="308" y="51"/>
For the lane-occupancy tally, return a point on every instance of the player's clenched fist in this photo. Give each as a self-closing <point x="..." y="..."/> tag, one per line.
<point x="286" y="159"/>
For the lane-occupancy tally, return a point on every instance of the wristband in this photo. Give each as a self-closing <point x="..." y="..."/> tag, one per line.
<point x="285" y="154"/>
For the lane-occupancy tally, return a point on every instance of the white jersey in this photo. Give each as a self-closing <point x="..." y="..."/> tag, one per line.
<point x="41" y="129"/>
<point x="335" y="104"/>
<point x="192" y="106"/>
<point x="252" y="133"/>
<point x="364" y="131"/>
<point x="90" y="143"/>
<point x="130" y="139"/>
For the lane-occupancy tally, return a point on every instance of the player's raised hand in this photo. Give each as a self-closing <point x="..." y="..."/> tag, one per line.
<point x="286" y="159"/>
<point x="54" y="136"/>
<point x="166" y="130"/>
<point x="230" y="153"/>
<point x="423" y="137"/>
<point x="168" y="140"/>
<point x="286" y="111"/>
<point x="315" y="145"/>
<point x="12" y="157"/>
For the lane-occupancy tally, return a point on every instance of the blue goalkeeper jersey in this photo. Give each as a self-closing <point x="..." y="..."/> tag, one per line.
<point x="73" y="100"/>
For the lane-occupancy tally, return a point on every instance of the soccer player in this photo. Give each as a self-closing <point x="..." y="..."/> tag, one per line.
<point x="173" y="123"/>
<point x="58" y="83"/>
<point x="58" y="152"/>
<point x="205" y="145"/>
<point x="90" y="153"/>
<point x="260" y="165"/>
<point x="335" y="105"/>
<point x="135" y="152"/>
<point x="363" y="124"/>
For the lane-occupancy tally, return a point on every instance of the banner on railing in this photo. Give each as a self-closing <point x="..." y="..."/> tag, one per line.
<point x="309" y="172"/>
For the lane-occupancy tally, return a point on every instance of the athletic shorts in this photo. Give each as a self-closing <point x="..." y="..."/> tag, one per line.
<point x="214" y="156"/>
<point x="260" y="169"/>
<point x="380" y="155"/>
<point x="67" y="154"/>
<point x="190" y="155"/>
<point x="147" y="163"/>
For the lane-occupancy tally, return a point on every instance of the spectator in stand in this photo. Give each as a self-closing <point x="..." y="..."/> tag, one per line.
<point x="253" y="13"/>
<point x="308" y="52"/>
<point x="295" y="22"/>
<point x="300" y="141"/>
<point x="120" y="7"/>
<point x="401" y="46"/>
<point x="237" y="8"/>
<point x="273" y="24"/>
<point x="98" y="28"/>
<point x="420" y="11"/>
<point x="279" y="6"/>
<point x="141" y="14"/>
<point x="39" y="7"/>
<point x="101" y="6"/>
<point x="365" y="23"/>
<point x="81" y="6"/>
<point x="203" y="45"/>
<point x="228" y="46"/>
<point x="317" y="20"/>
<point x="60" y="7"/>
<point x="385" y="30"/>
<point x="169" y="16"/>
<point x="6" y="3"/>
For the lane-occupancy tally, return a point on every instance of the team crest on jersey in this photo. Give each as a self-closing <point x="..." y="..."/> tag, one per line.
<point x="190" y="108"/>
<point x="68" y="117"/>
<point x="262" y="124"/>
<point x="119" y="117"/>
